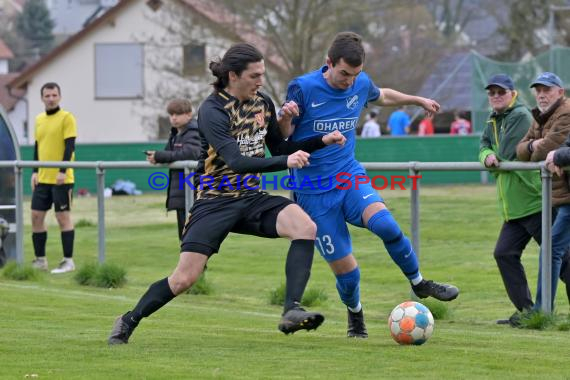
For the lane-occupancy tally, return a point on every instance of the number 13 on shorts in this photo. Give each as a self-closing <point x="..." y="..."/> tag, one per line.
<point x="325" y="245"/>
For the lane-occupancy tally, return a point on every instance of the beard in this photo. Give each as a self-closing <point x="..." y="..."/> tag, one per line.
<point x="544" y="109"/>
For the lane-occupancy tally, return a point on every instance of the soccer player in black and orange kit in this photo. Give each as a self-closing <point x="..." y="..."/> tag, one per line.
<point x="55" y="133"/>
<point x="236" y="122"/>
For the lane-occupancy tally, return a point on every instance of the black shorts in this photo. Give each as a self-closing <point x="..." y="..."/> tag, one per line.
<point x="210" y="220"/>
<point x="46" y="194"/>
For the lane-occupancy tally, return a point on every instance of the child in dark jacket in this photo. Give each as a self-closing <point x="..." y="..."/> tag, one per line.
<point x="183" y="144"/>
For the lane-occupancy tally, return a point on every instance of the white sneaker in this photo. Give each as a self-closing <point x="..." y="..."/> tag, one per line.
<point x="66" y="265"/>
<point x="40" y="263"/>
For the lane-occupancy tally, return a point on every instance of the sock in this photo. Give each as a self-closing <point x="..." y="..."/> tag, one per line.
<point x="39" y="239"/>
<point x="297" y="271"/>
<point x="355" y="309"/>
<point x="157" y="295"/>
<point x="67" y="238"/>
<point x="398" y="246"/>
<point x="417" y="280"/>
<point x="348" y="287"/>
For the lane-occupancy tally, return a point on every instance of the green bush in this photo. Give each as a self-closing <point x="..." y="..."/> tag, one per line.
<point x="312" y="297"/>
<point x="84" y="223"/>
<point x="85" y="274"/>
<point x="13" y="271"/>
<point x="537" y="320"/>
<point x="202" y="286"/>
<point x="106" y="275"/>
<point x="277" y="295"/>
<point x="564" y="324"/>
<point x="439" y="310"/>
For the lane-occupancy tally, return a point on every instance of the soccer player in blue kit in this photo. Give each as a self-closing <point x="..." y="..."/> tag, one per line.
<point x="332" y="98"/>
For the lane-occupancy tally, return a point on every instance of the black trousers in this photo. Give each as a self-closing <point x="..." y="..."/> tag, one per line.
<point x="513" y="238"/>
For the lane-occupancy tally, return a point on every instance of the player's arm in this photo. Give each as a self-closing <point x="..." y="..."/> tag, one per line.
<point x="288" y="111"/>
<point x="289" y="115"/>
<point x="214" y="124"/>
<point x="69" y="136"/>
<point x="68" y="151"/>
<point x="36" y="156"/>
<point x="67" y="154"/>
<point x="34" y="179"/>
<point x="390" y="97"/>
<point x="279" y="146"/>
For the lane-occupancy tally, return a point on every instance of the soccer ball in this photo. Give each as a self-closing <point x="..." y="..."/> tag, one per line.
<point x="411" y="323"/>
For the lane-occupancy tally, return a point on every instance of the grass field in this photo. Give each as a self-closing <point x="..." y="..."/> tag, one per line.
<point x="55" y="329"/>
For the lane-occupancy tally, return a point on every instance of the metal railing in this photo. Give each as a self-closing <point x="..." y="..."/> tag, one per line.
<point x="414" y="168"/>
<point x="100" y="167"/>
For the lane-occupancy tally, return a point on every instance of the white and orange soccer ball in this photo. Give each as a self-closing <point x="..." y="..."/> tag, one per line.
<point x="411" y="323"/>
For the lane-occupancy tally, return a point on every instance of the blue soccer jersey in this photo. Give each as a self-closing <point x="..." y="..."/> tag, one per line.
<point x="324" y="109"/>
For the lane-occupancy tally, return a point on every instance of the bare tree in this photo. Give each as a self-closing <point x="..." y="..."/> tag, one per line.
<point x="164" y="55"/>
<point x="299" y="31"/>
<point x="526" y="28"/>
<point x="292" y="34"/>
<point x="403" y="38"/>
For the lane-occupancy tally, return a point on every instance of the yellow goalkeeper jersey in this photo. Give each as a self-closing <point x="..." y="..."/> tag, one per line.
<point x="50" y="134"/>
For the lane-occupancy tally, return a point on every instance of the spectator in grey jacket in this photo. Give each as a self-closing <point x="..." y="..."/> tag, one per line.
<point x="183" y="144"/>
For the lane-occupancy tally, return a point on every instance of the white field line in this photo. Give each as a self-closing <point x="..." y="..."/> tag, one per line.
<point x="81" y="294"/>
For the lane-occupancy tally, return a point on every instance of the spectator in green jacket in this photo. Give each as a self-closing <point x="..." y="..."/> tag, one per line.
<point x="518" y="192"/>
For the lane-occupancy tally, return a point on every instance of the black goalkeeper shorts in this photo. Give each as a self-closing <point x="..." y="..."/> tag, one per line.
<point x="45" y="195"/>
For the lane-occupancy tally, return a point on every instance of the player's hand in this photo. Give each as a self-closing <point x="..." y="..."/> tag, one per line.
<point x="430" y="106"/>
<point x="334" y="138"/>
<point x="298" y="160"/>
<point x="491" y="160"/>
<point x="150" y="156"/>
<point x="60" y="178"/>
<point x="288" y="111"/>
<point x="34" y="181"/>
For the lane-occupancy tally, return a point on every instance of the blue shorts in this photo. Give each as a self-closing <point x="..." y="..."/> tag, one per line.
<point x="331" y="210"/>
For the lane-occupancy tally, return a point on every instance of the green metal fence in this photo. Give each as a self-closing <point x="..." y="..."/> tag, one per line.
<point x="523" y="73"/>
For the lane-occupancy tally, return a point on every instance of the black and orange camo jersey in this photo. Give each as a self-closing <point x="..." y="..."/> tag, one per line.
<point x="234" y="134"/>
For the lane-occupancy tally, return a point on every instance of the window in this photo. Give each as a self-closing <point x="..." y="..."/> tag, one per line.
<point x="164" y="128"/>
<point x="119" y="71"/>
<point x="194" y="59"/>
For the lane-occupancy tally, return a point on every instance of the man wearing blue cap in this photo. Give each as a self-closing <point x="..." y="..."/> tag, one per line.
<point x="551" y="126"/>
<point x="518" y="192"/>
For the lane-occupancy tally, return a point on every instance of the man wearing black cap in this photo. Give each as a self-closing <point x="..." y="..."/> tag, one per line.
<point x="551" y="126"/>
<point x="518" y="192"/>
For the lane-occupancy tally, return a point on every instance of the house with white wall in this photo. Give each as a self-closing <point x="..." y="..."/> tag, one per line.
<point x="70" y="16"/>
<point x="118" y="74"/>
<point x="13" y="102"/>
